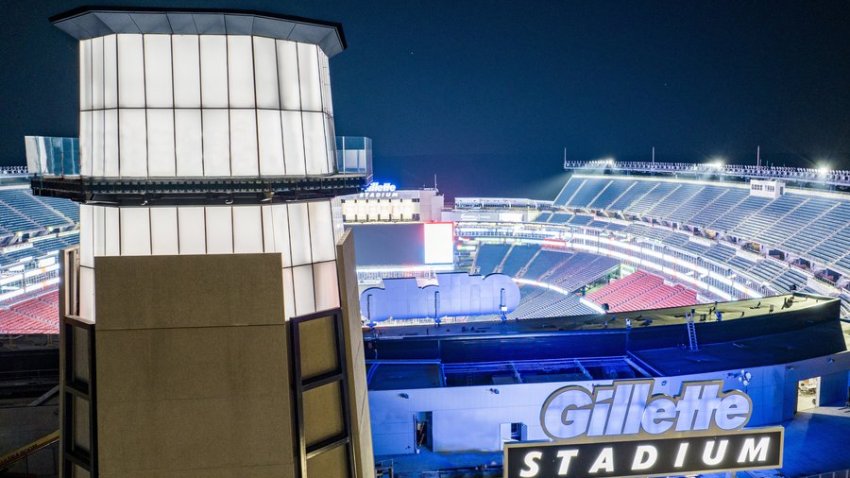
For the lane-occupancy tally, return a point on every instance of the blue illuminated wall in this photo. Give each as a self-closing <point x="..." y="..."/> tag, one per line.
<point x="456" y="294"/>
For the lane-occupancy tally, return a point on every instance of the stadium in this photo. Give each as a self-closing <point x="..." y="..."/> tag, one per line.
<point x="210" y="306"/>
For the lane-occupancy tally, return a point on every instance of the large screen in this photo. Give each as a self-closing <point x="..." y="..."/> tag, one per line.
<point x="404" y="244"/>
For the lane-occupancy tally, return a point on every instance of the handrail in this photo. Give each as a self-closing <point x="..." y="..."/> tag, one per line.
<point x="27" y="450"/>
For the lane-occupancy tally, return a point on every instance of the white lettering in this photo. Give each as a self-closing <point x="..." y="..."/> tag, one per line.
<point x="564" y="464"/>
<point x="531" y="467"/>
<point x="734" y="412"/>
<point x="645" y="457"/>
<point x="751" y="452"/>
<point x="604" y="462"/>
<point x="680" y="455"/>
<point x="718" y="455"/>
<point x="659" y="415"/>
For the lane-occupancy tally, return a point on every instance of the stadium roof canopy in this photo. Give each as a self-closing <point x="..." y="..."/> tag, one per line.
<point x="90" y="22"/>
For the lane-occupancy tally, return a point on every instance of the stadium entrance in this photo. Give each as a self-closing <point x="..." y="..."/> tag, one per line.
<point x="808" y="394"/>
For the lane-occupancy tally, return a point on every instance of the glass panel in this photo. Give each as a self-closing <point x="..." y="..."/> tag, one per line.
<point x="265" y="73"/>
<point x="158" y="79"/>
<point x="96" y="162"/>
<point x="110" y="154"/>
<point x="330" y="142"/>
<point x="85" y="143"/>
<point x="315" y="144"/>
<point x="110" y="72"/>
<point x="87" y="293"/>
<point x="287" y="64"/>
<point x="288" y="294"/>
<point x="135" y="232"/>
<point x="327" y="99"/>
<point x="111" y="231"/>
<point x="247" y="230"/>
<point x="271" y="143"/>
<point x="299" y="234"/>
<point x="161" y="161"/>
<point x="216" y="143"/>
<point x="86" y="235"/>
<point x="133" y="143"/>
<point x="85" y="74"/>
<point x="188" y="143"/>
<point x="293" y="143"/>
<point x="302" y="278"/>
<point x="214" y="71"/>
<point x="243" y="142"/>
<point x="219" y="230"/>
<point x="321" y="231"/>
<point x="187" y="71"/>
<point x="97" y="73"/>
<point x="308" y="72"/>
<point x="241" y="71"/>
<point x="164" y="235"/>
<point x="280" y="232"/>
<point x="326" y="286"/>
<point x="190" y="221"/>
<point x="131" y="72"/>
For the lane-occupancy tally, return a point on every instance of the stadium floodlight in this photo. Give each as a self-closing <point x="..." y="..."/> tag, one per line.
<point x="716" y="163"/>
<point x="823" y="168"/>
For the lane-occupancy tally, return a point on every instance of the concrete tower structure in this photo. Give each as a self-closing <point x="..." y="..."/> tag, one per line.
<point x="206" y="325"/>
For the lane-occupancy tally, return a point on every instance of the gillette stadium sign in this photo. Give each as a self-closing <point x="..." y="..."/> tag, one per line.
<point x="623" y="429"/>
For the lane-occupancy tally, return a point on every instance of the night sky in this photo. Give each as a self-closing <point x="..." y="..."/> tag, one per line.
<point x="486" y="94"/>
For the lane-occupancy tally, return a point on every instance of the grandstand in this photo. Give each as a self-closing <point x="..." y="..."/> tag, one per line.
<point x="32" y="232"/>
<point x="642" y="290"/>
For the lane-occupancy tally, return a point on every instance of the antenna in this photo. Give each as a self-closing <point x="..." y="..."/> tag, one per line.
<point x="435" y="181"/>
<point x="758" y="157"/>
<point x="565" y="157"/>
<point x="653" y="155"/>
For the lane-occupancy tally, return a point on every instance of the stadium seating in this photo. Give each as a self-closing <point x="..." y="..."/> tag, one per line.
<point x="642" y="290"/>
<point x="489" y="257"/>
<point x="517" y="258"/>
<point x="544" y="262"/>
<point x="35" y="315"/>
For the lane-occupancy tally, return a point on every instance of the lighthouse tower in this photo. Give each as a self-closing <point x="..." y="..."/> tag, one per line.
<point x="206" y="325"/>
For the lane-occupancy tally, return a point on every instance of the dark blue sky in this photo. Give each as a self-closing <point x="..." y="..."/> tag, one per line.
<point x="486" y="94"/>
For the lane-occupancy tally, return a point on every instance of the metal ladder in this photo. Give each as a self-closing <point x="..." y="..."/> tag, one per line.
<point x="693" y="346"/>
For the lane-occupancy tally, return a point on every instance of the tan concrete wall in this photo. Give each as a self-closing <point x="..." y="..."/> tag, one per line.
<point x="192" y="367"/>
<point x="361" y="428"/>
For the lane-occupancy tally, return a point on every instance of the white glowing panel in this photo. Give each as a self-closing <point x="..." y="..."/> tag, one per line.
<point x="287" y="64"/>
<point x="110" y="146"/>
<point x="191" y="223"/>
<point x="111" y="231"/>
<point x="110" y="71"/>
<point x="85" y="75"/>
<point x="325" y="285"/>
<point x="240" y="66"/>
<point x="299" y="234"/>
<point x="135" y="232"/>
<point x="219" y="230"/>
<point x="243" y="143"/>
<point x="160" y="132"/>
<point x="276" y="230"/>
<point x="321" y="231"/>
<point x="314" y="143"/>
<point x="97" y="73"/>
<point x="188" y="142"/>
<point x="308" y="72"/>
<point x="187" y="79"/>
<point x="158" y="76"/>
<point x="87" y="293"/>
<point x="265" y="73"/>
<point x="288" y="294"/>
<point x="439" y="243"/>
<point x="86" y="143"/>
<point x="164" y="235"/>
<point x="305" y="300"/>
<point x="271" y="143"/>
<point x="247" y="230"/>
<point x="87" y="231"/>
<point x="293" y="143"/>
<point x="97" y="143"/>
<point x="216" y="143"/>
<point x="214" y="71"/>
<point x="132" y="142"/>
<point x="131" y="71"/>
